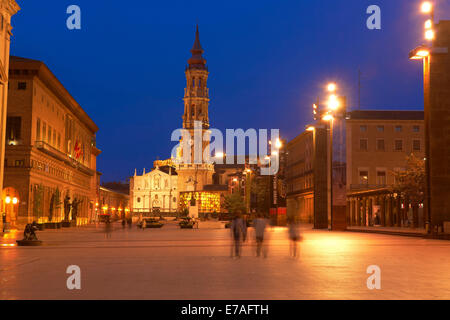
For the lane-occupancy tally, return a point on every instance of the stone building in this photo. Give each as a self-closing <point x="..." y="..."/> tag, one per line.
<point x="8" y="8"/>
<point x="50" y="148"/>
<point x="437" y="118"/>
<point x="306" y="177"/>
<point x="155" y="191"/>
<point x="378" y="144"/>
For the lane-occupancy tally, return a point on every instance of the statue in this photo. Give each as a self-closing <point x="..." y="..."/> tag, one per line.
<point x="29" y="234"/>
<point x="67" y="207"/>
<point x="75" y="204"/>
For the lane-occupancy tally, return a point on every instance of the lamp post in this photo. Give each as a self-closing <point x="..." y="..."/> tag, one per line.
<point x="333" y="104"/>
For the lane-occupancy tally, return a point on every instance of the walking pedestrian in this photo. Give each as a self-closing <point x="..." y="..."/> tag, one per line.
<point x="260" y="224"/>
<point x="294" y="237"/>
<point x="239" y="234"/>
<point x="108" y="228"/>
<point x="4" y="221"/>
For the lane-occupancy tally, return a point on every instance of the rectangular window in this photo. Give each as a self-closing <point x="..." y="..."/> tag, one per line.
<point x="38" y="129"/>
<point x="363" y="144"/>
<point x="49" y="137"/>
<point x="380" y="128"/>
<point x="380" y="145"/>
<point x="19" y="163"/>
<point x="381" y="177"/>
<point x="416" y="145"/>
<point x="398" y="128"/>
<point x="416" y="128"/>
<point x="22" y="86"/>
<point x="363" y="128"/>
<point x="44" y="132"/>
<point x="13" y="130"/>
<point x="363" y="177"/>
<point x="398" y="145"/>
<point x="54" y="137"/>
<point x="59" y="141"/>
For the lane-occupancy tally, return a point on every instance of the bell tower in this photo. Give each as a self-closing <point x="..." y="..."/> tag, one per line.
<point x="192" y="176"/>
<point x="196" y="93"/>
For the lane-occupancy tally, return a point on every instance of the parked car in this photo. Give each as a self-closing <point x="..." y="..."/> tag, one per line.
<point x="150" y="223"/>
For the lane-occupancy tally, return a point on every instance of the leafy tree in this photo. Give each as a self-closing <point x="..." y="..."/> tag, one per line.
<point x="261" y="194"/>
<point x="234" y="203"/>
<point x="411" y="182"/>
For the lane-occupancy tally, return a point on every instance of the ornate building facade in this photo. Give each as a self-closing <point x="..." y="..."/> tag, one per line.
<point x="155" y="191"/>
<point x="51" y="153"/>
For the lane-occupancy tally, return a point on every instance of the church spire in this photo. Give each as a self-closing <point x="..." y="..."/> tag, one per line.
<point x="197" y="61"/>
<point x="197" y="47"/>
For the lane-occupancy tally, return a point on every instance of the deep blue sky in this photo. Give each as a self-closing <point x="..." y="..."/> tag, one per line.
<point x="268" y="61"/>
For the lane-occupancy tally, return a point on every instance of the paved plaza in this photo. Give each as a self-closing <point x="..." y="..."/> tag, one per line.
<point x="171" y="263"/>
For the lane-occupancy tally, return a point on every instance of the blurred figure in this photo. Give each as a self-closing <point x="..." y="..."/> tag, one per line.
<point x="123" y="223"/>
<point x="294" y="237"/>
<point x="108" y="228"/>
<point x="260" y="224"/>
<point x="239" y="234"/>
<point x="130" y="222"/>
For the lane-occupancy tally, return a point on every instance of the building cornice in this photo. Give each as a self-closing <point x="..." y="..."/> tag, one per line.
<point x="11" y="6"/>
<point x="45" y="75"/>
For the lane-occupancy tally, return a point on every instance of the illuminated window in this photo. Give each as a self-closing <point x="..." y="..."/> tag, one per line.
<point x="363" y="177"/>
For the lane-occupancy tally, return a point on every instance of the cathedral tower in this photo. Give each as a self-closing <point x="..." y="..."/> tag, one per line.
<point x="193" y="175"/>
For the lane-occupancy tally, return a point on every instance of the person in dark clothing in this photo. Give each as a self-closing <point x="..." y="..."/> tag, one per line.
<point x="239" y="234"/>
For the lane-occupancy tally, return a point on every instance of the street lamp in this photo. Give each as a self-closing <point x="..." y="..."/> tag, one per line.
<point x="426" y="7"/>
<point x="332" y="87"/>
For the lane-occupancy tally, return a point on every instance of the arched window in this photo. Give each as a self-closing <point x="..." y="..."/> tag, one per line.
<point x="138" y="199"/>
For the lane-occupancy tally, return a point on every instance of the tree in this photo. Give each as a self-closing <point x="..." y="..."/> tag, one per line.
<point x="234" y="203"/>
<point x="261" y="193"/>
<point x="410" y="183"/>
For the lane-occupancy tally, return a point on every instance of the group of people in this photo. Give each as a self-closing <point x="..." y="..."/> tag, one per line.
<point x="238" y="229"/>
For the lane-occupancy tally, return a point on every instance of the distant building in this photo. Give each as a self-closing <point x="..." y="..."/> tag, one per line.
<point x="155" y="191"/>
<point x="378" y="143"/>
<point x="113" y="204"/>
<point x="306" y="177"/>
<point x="8" y="8"/>
<point x="51" y="148"/>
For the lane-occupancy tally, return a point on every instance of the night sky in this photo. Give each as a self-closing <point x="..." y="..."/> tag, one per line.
<point x="268" y="62"/>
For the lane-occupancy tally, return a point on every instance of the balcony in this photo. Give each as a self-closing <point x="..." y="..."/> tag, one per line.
<point x="55" y="153"/>
<point x="365" y="186"/>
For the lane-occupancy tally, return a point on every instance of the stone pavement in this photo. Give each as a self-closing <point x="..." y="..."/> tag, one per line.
<point x="170" y="263"/>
